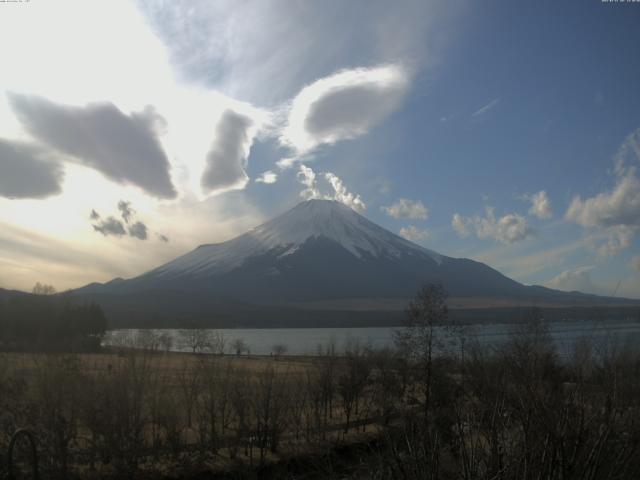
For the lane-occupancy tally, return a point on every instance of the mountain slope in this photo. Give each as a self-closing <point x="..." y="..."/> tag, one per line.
<point x="320" y="249"/>
<point x="4" y="294"/>
<point x="317" y="253"/>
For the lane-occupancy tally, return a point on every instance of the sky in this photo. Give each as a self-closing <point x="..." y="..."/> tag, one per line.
<point x="506" y="132"/>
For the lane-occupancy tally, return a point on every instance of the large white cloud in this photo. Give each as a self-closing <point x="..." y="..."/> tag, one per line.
<point x="615" y="212"/>
<point x="343" y="106"/>
<point x="264" y="51"/>
<point x="576" y="279"/>
<point x="405" y="208"/>
<point x="620" y="206"/>
<point x="510" y="228"/>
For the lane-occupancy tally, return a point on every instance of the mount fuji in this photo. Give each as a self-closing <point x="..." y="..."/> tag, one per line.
<point x="317" y="260"/>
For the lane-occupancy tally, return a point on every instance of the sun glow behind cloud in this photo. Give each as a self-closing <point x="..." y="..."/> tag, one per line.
<point x="79" y="59"/>
<point x="308" y="89"/>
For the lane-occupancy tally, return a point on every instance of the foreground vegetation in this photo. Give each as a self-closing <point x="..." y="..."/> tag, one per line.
<point x="422" y="411"/>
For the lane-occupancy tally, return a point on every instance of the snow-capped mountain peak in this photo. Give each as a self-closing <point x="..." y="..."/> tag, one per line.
<point x="334" y="221"/>
<point x="285" y="234"/>
<point x="319" y="251"/>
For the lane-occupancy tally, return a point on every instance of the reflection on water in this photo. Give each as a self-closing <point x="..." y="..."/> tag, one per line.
<point x="304" y="341"/>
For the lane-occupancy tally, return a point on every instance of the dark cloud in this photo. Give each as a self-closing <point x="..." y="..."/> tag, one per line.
<point x="110" y="226"/>
<point x="131" y="226"/>
<point x="227" y="158"/>
<point x="350" y="111"/>
<point x="125" y="148"/>
<point x="24" y="175"/>
<point x="343" y="106"/>
<point x="138" y="230"/>
<point x="125" y="210"/>
<point x="165" y="239"/>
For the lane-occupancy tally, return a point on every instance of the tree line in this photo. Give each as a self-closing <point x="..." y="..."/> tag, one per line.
<point x="43" y="321"/>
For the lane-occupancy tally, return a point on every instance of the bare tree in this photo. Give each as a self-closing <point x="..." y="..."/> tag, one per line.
<point x="279" y="349"/>
<point x="353" y="380"/>
<point x="217" y="342"/>
<point x="190" y="385"/>
<point x="239" y="346"/>
<point x="147" y="340"/>
<point x="57" y="408"/>
<point x="418" y="337"/>
<point x="43" y="289"/>
<point x="196" y="339"/>
<point x="166" y="341"/>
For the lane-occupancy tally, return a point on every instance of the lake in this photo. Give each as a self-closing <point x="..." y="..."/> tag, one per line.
<point x="305" y="341"/>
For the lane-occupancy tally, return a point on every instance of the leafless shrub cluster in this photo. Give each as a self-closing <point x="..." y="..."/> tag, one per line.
<point x="517" y="411"/>
<point x="422" y="410"/>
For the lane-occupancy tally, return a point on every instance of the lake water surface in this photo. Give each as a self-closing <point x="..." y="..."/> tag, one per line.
<point x="305" y="341"/>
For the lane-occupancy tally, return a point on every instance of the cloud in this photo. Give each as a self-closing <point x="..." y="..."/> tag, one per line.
<point x="577" y="279"/>
<point x="163" y="238"/>
<point x="267" y="177"/>
<point x="227" y="157"/>
<point x="287" y="162"/>
<point x="510" y="228"/>
<point x="414" y="234"/>
<point x="125" y="210"/>
<point x="540" y="205"/>
<point x="628" y="153"/>
<point x="460" y="225"/>
<point x="343" y="106"/>
<point x="615" y="212"/>
<point x="341" y="194"/>
<point x="114" y="227"/>
<point x="486" y="108"/>
<point x="619" y="207"/>
<point x="125" y="148"/>
<point x="24" y="175"/>
<point x="618" y="238"/>
<point x="110" y="226"/>
<point x="521" y="264"/>
<point x="264" y="52"/>
<point x="405" y="208"/>
<point x="635" y="262"/>
<point x="138" y="230"/>
<point x="307" y="177"/>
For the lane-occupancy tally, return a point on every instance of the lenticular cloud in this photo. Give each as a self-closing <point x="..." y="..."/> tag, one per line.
<point x="343" y="106"/>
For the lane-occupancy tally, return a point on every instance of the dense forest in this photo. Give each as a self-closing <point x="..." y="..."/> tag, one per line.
<point x="43" y="321"/>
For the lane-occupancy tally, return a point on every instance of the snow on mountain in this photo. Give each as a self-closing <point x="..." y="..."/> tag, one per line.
<point x="284" y="235"/>
<point x="319" y="262"/>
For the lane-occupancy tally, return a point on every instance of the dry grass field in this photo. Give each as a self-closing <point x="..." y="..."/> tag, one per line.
<point x="122" y="411"/>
